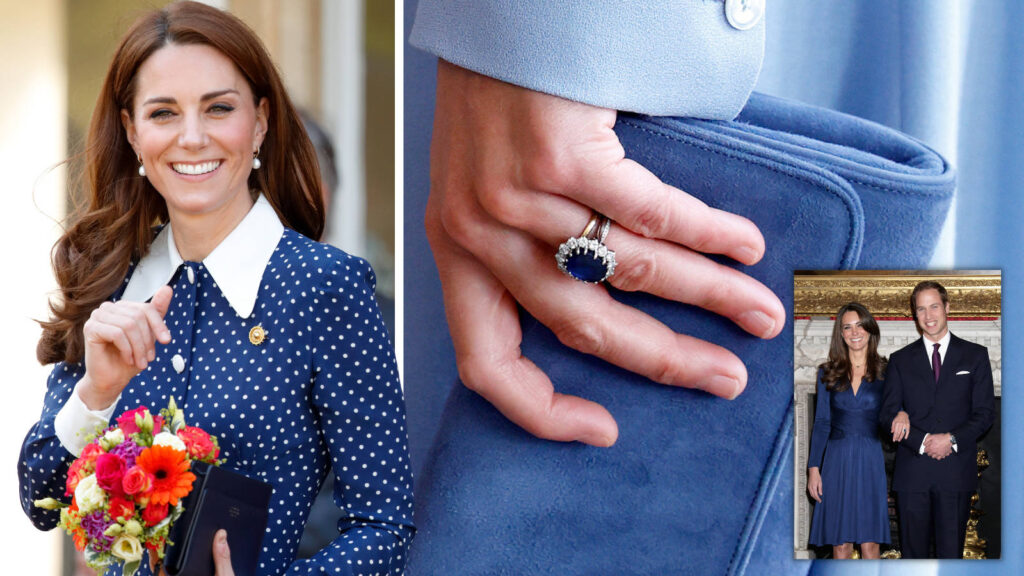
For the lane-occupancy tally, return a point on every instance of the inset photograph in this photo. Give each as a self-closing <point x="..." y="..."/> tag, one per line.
<point x="897" y="391"/>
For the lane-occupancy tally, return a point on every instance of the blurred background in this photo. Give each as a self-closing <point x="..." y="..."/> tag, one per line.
<point x="337" y="60"/>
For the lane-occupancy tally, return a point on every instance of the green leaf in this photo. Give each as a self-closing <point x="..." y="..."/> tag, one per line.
<point x="97" y="560"/>
<point x="131" y="567"/>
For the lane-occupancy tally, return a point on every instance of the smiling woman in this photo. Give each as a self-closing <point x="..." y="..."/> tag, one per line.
<point x="194" y="274"/>
<point x="845" y="469"/>
<point x="197" y="141"/>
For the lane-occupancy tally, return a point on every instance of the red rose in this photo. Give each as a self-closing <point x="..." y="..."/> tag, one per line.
<point x="90" y="452"/>
<point x="154" y="513"/>
<point x="198" y="443"/>
<point x="75" y="473"/>
<point x="109" y="471"/>
<point x="136" y="481"/>
<point x="121" y="508"/>
<point x="126" y="421"/>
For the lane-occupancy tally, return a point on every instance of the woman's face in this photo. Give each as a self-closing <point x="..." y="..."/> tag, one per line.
<point x="854" y="335"/>
<point x="195" y="125"/>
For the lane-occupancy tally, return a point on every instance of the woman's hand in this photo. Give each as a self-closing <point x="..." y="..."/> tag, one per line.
<point x="514" y="173"/>
<point x="900" y="427"/>
<point x="814" y="483"/>
<point x="120" y="341"/>
<point x="221" y="557"/>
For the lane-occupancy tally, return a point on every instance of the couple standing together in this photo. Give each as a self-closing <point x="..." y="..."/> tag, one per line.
<point x="935" y="396"/>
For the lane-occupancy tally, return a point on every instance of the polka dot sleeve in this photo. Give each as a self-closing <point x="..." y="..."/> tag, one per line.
<point x="44" y="462"/>
<point x="358" y="402"/>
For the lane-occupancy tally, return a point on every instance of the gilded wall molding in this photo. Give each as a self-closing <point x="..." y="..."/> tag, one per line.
<point x="887" y="293"/>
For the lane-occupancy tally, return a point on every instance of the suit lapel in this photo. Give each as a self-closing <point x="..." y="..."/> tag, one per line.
<point x="951" y="360"/>
<point x="923" y="365"/>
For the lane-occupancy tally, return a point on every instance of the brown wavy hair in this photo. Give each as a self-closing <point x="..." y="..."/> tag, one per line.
<point x="115" y="225"/>
<point x="838" y="370"/>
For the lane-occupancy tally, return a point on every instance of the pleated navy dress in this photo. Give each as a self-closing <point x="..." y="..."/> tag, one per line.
<point x="847" y="449"/>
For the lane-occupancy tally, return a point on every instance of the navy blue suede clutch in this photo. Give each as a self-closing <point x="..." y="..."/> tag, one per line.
<point x="696" y="484"/>
<point x="220" y="498"/>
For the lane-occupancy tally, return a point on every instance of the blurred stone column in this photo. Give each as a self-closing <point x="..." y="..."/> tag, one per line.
<point x="33" y="115"/>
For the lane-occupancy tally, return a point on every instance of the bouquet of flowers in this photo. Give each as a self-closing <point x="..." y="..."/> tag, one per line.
<point x="127" y="486"/>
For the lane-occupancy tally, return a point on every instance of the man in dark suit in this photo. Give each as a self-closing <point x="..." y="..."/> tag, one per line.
<point x="944" y="384"/>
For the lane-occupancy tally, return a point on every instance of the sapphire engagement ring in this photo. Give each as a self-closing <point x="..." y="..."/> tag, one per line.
<point x="585" y="257"/>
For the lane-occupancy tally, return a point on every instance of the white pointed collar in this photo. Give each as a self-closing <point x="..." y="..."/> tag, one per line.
<point x="236" y="264"/>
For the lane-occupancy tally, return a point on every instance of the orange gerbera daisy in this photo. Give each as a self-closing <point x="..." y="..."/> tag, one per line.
<point x="171" y="479"/>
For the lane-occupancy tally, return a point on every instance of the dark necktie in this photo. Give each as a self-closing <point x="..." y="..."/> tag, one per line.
<point x="936" y="362"/>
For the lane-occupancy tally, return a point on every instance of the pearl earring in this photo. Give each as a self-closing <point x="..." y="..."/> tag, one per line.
<point x="142" y="168"/>
<point x="255" y="160"/>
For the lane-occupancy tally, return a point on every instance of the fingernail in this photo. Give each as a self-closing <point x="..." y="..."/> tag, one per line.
<point x="724" y="386"/>
<point x="747" y="255"/>
<point x="602" y="440"/>
<point x="598" y="438"/>
<point x="758" y="323"/>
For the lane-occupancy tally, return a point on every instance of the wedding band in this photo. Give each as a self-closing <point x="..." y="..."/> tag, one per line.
<point x="585" y="257"/>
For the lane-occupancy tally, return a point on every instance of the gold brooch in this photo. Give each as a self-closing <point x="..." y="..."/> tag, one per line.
<point x="257" y="335"/>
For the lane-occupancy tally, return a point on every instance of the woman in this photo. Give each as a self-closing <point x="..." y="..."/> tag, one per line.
<point x="269" y="340"/>
<point x="846" y="470"/>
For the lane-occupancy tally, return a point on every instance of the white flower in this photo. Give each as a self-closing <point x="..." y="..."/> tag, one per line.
<point x="168" y="439"/>
<point x="114" y="437"/>
<point x="127" y="548"/>
<point x="133" y="527"/>
<point x="89" y="495"/>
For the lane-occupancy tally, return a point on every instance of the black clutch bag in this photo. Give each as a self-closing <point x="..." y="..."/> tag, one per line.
<point x="219" y="499"/>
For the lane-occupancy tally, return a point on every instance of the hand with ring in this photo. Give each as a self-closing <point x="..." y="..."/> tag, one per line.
<point x="900" y="427"/>
<point x="517" y="173"/>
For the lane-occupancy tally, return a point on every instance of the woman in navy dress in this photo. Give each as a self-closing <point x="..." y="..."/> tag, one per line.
<point x="264" y="337"/>
<point x="846" y="469"/>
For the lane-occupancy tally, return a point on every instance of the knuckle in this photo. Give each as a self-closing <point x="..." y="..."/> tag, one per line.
<point x="650" y="219"/>
<point x="482" y="372"/>
<point x="550" y="169"/>
<point x="638" y="274"/>
<point x="717" y="296"/>
<point x="474" y="374"/>
<point x="545" y="428"/>
<point x="666" y="371"/>
<point x="704" y="238"/>
<point x="459" y="224"/>
<point x="584" y="334"/>
<point x="501" y="202"/>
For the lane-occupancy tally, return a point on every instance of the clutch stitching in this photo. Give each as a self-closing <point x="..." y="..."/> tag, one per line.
<point x="852" y="254"/>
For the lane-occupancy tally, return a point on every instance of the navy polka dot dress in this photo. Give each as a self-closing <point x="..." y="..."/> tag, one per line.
<point x="319" y="394"/>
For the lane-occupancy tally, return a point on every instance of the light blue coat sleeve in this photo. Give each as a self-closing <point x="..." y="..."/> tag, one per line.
<point x="679" y="57"/>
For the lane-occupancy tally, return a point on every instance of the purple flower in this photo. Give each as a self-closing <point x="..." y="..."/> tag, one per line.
<point x="128" y="451"/>
<point x="94" y="525"/>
